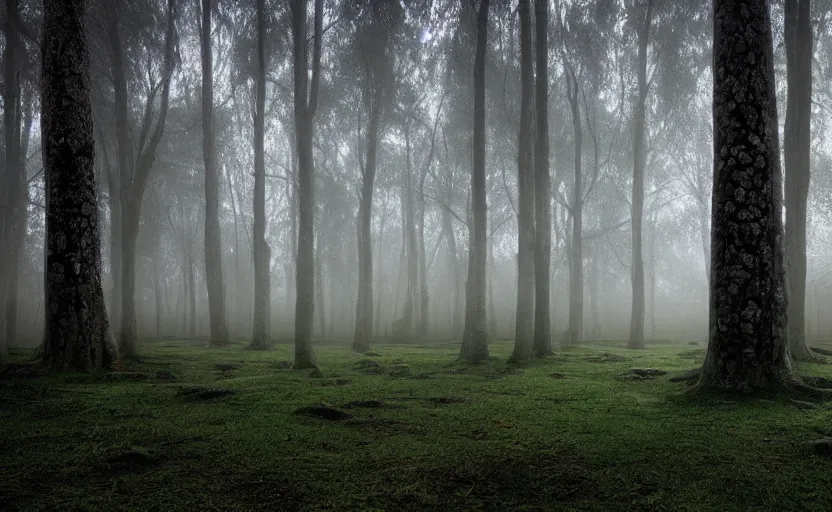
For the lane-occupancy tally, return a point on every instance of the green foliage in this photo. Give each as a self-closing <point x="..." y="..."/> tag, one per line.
<point x="561" y="434"/>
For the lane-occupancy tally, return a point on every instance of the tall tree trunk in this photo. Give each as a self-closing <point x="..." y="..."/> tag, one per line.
<point x="261" y="328"/>
<point x="524" y="314"/>
<point x="594" y="290"/>
<point x="76" y="335"/>
<point x="191" y="291"/>
<point x="637" y="317"/>
<point x="748" y="344"/>
<point x="576" y="268"/>
<point x="475" y="337"/>
<point x="796" y="145"/>
<point x="213" y="236"/>
<point x="305" y="107"/>
<point x="319" y="288"/>
<point x="542" y="344"/>
<point x="157" y="288"/>
<point x="403" y="327"/>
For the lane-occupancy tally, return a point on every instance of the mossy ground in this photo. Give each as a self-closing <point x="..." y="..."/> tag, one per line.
<point x="431" y="434"/>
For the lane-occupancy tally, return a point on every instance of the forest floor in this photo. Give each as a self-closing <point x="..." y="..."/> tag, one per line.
<point x="404" y="428"/>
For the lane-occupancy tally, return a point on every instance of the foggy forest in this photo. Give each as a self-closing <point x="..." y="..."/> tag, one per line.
<point x="416" y="255"/>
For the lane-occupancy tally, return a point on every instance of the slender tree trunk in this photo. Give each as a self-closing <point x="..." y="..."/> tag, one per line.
<point x="748" y="340"/>
<point x="475" y="337"/>
<point x="192" y="291"/>
<point x="129" y="236"/>
<point x="213" y="236"/>
<point x="542" y="344"/>
<point x="305" y="106"/>
<point x="403" y="327"/>
<point x="637" y="317"/>
<point x="594" y="290"/>
<point x="157" y="289"/>
<point x="319" y="288"/>
<point x="576" y="270"/>
<point x="797" y="146"/>
<point x="524" y="319"/>
<point x="261" y="328"/>
<point x="453" y="263"/>
<point x="76" y="333"/>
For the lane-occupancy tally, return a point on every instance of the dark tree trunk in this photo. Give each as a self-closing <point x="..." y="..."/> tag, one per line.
<point x="305" y="104"/>
<point x="261" y="328"/>
<point x="475" y="336"/>
<point x="637" y="317"/>
<point x="748" y="343"/>
<point x="319" y="288"/>
<point x="796" y="146"/>
<point x="403" y="327"/>
<point x="542" y="344"/>
<point x="524" y="314"/>
<point x="213" y="237"/>
<point x="76" y="333"/>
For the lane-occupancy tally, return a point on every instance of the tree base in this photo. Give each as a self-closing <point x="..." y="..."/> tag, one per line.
<point x="305" y="362"/>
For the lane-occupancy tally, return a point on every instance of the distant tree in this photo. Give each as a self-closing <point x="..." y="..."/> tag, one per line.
<point x="305" y="103"/>
<point x="636" y="339"/>
<point x="542" y="344"/>
<point x="748" y="342"/>
<point x="796" y="149"/>
<point x="261" y="327"/>
<point x="475" y="336"/>
<point x="524" y="314"/>
<point x="76" y="333"/>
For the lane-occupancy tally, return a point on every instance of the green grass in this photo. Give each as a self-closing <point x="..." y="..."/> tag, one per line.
<point x="446" y="437"/>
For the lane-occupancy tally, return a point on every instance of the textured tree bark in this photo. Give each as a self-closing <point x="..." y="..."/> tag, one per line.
<point x="76" y="333"/>
<point x="748" y="342"/>
<point x="542" y="344"/>
<point x="796" y="149"/>
<point x="637" y="317"/>
<point x="305" y="105"/>
<point x="524" y="314"/>
<point x="261" y="328"/>
<point x="213" y="236"/>
<point x="475" y="336"/>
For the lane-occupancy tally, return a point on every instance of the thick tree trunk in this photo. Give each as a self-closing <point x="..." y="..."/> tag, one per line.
<point x="319" y="288"/>
<point x="213" y="237"/>
<point x="796" y="146"/>
<point x="129" y="236"/>
<point x="364" y="305"/>
<point x="748" y="341"/>
<point x="475" y="336"/>
<point x="76" y="333"/>
<point x="524" y="314"/>
<point x="637" y="317"/>
<point x="305" y="105"/>
<point x="542" y="344"/>
<point x="261" y="328"/>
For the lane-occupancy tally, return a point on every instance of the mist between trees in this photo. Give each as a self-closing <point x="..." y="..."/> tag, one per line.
<point x="271" y="171"/>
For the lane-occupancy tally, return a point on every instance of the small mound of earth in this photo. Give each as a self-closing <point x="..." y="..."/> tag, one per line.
<point x="127" y="461"/>
<point x="693" y="343"/>
<point x="400" y="370"/>
<point x="371" y="354"/>
<point x="369" y="366"/>
<point x="557" y="375"/>
<point x="821" y="447"/>
<point x="693" y="354"/>
<point x="282" y="365"/>
<point x="365" y="404"/>
<point x="324" y="412"/>
<point x="225" y="367"/>
<point x="642" y="374"/>
<point x="445" y="400"/>
<point x="315" y="373"/>
<point x="423" y="376"/>
<point x="198" y="393"/>
<point x="165" y="375"/>
<point x="606" y="357"/>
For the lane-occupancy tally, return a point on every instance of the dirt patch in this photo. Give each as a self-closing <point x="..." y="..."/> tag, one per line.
<point x="324" y="412"/>
<point x="445" y="400"/>
<point x="642" y="374"/>
<point x="557" y="375"/>
<point x="129" y="461"/>
<point x="365" y="404"/>
<point x="606" y="357"/>
<point x="165" y="375"/>
<point x="198" y="393"/>
<point x="225" y="367"/>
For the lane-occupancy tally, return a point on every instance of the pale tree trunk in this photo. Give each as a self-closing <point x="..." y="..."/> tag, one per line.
<point x="305" y="105"/>
<point x="524" y="314"/>
<point x="261" y="328"/>
<point x="542" y="344"/>
<point x="319" y="288"/>
<point x="191" y="291"/>
<point x="594" y="290"/>
<point x="213" y="236"/>
<point x="796" y="149"/>
<point x="475" y="336"/>
<point x="748" y="344"/>
<point x="403" y="327"/>
<point x="636" y="339"/>
<point x="576" y="268"/>
<point x="76" y="333"/>
<point x="157" y="287"/>
<point x="134" y="170"/>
